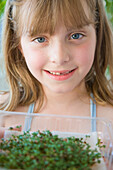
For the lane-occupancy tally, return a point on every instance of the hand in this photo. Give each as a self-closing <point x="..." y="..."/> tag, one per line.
<point x="13" y="129"/>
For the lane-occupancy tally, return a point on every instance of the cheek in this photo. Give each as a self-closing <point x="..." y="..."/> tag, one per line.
<point x="35" y="59"/>
<point x="86" y="54"/>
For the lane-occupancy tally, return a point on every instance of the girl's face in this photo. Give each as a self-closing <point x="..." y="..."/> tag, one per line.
<point x="60" y="61"/>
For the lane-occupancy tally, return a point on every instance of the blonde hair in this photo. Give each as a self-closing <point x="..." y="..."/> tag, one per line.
<point x="32" y="16"/>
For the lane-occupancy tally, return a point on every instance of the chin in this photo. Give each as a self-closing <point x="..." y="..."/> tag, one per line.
<point x="62" y="90"/>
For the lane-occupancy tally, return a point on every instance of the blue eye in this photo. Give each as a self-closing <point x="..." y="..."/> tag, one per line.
<point x="40" y="39"/>
<point x="76" y="36"/>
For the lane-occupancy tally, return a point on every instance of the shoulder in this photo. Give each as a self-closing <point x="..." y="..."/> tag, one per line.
<point x="105" y="111"/>
<point x="22" y="109"/>
<point x="3" y="97"/>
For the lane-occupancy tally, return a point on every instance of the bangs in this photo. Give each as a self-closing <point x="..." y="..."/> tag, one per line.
<point x="40" y="16"/>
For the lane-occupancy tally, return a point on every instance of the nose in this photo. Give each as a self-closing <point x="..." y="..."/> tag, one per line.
<point x="59" y="53"/>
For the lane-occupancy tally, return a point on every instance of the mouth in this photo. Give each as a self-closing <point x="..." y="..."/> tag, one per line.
<point x="60" y="73"/>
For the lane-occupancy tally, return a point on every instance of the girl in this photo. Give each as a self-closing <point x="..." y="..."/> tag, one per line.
<point x="56" y="55"/>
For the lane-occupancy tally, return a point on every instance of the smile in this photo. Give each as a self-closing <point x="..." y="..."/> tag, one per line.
<point x="60" y="75"/>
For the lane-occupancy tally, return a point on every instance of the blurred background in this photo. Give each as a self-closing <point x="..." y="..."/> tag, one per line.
<point x="3" y="79"/>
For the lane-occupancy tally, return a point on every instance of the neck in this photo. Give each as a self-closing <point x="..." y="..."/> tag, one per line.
<point x="67" y="97"/>
<point x="65" y="102"/>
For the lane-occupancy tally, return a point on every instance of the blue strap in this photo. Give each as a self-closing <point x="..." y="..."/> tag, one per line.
<point x="93" y="114"/>
<point x="28" y="118"/>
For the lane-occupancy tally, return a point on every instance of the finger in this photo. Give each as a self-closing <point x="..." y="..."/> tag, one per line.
<point x="2" y="131"/>
<point x="16" y="127"/>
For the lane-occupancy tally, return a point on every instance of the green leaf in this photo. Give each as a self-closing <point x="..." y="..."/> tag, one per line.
<point x="2" y="5"/>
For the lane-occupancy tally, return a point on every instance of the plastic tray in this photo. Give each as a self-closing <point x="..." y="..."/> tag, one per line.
<point x="66" y="126"/>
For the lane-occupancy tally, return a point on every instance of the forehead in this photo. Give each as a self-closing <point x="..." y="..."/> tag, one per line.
<point x="43" y="15"/>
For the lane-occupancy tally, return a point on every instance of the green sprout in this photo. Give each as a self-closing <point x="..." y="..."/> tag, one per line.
<point x="11" y="128"/>
<point x="45" y="151"/>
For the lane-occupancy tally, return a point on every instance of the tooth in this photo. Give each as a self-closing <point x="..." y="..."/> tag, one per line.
<point x="57" y="73"/>
<point x="51" y="72"/>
